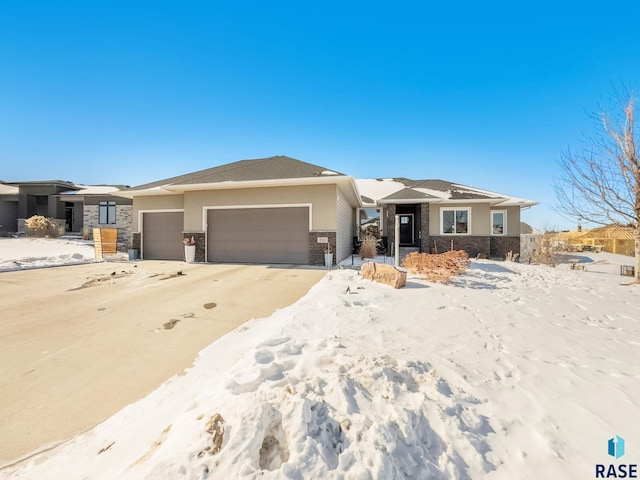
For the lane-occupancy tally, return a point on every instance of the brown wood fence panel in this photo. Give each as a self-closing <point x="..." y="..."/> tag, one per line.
<point x="105" y="241"/>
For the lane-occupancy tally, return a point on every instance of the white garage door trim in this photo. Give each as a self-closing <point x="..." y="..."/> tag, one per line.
<point x="141" y="222"/>
<point x="205" y="210"/>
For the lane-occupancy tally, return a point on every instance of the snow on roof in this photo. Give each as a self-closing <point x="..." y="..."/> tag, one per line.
<point x="403" y="190"/>
<point x="93" y="190"/>
<point x="8" y="189"/>
<point x="434" y="193"/>
<point x="378" y="188"/>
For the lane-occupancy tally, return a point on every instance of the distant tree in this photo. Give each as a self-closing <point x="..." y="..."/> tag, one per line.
<point x="601" y="183"/>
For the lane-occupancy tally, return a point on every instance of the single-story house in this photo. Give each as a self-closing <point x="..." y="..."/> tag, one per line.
<point x="267" y="210"/>
<point x="283" y="210"/>
<point x="436" y="216"/>
<point x="32" y="198"/>
<point x="76" y="207"/>
<point x="95" y="206"/>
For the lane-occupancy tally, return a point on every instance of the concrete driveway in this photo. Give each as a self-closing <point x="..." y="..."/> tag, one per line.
<point x="79" y="343"/>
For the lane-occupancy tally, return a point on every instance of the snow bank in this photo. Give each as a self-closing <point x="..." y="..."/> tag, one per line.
<point x="23" y="253"/>
<point x="511" y="371"/>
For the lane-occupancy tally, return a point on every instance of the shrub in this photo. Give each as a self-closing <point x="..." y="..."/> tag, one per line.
<point x="440" y="267"/>
<point x="369" y="247"/>
<point x="545" y="254"/>
<point x="39" y="226"/>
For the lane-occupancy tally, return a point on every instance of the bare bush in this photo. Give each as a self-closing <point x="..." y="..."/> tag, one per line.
<point x="545" y="254"/>
<point x="369" y="247"/>
<point x="437" y="267"/>
<point x="39" y="226"/>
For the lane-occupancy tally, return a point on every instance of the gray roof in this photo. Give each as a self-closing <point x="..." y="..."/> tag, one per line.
<point x="58" y="183"/>
<point x="272" y="168"/>
<point x="456" y="191"/>
<point x="405" y="190"/>
<point x="408" y="194"/>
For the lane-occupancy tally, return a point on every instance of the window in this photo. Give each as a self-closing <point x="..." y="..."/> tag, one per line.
<point x="107" y="212"/>
<point x="498" y="222"/>
<point x="455" y="221"/>
<point x="369" y="222"/>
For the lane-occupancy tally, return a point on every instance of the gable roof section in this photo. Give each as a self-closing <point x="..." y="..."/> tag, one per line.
<point x="273" y="168"/>
<point x="404" y="190"/>
<point x="409" y="194"/>
<point x="278" y="171"/>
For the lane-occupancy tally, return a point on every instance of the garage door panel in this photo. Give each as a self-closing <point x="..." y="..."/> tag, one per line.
<point x="262" y="235"/>
<point x="162" y="235"/>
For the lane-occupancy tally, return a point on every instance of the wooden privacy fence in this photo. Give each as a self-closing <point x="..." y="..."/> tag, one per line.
<point x="105" y="241"/>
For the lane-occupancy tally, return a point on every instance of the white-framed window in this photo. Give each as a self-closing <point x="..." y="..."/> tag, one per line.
<point x="455" y="221"/>
<point x="107" y="213"/>
<point x="369" y="222"/>
<point x="498" y="222"/>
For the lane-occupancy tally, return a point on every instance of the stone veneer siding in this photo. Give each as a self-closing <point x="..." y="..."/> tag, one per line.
<point x="317" y="250"/>
<point x="201" y="244"/>
<point x="123" y="223"/>
<point x="500" y="246"/>
<point x="136" y="242"/>
<point x="389" y="226"/>
<point x="476" y="245"/>
<point x="424" y="227"/>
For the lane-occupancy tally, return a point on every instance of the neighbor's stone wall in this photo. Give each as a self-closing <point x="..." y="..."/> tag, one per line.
<point x="201" y="245"/>
<point x="124" y="215"/>
<point x="317" y="250"/>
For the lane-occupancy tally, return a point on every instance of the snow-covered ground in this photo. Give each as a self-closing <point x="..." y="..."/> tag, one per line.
<point x="23" y="253"/>
<point x="511" y="371"/>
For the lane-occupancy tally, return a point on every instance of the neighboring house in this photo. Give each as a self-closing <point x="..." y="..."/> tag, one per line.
<point x="95" y="206"/>
<point x="36" y="198"/>
<point x="8" y="209"/>
<point x="613" y="238"/>
<point x="268" y="210"/>
<point x="436" y="216"/>
<point x="526" y="229"/>
<point x="76" y="207"/>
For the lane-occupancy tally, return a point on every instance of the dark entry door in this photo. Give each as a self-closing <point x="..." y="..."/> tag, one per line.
<point x="406" y="229"/>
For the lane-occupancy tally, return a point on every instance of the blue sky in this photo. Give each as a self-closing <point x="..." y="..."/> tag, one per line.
<point x="484" y="94"/>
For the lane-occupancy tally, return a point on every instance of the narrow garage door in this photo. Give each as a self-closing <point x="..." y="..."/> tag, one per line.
<point x="162" y="236"/>
<point x="258" y="235"/>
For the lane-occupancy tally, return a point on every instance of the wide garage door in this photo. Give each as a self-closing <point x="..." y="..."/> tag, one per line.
<point x="258" y="235"/>
<point x="162" y="236"/>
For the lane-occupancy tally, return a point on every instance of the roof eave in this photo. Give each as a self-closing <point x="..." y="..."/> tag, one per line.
<point x="278" y="182"/>
<point x="521" y="204"/>
<point x="143" y="193"/>
<point x="408" y="201"/>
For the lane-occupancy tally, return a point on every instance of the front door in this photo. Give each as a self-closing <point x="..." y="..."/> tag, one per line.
<point x="406" y="229"/>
